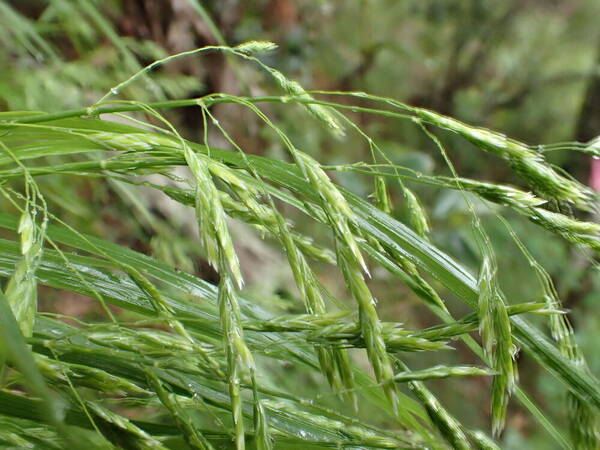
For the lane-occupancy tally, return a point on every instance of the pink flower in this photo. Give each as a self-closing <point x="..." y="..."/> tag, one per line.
<point x="595" y="175"/>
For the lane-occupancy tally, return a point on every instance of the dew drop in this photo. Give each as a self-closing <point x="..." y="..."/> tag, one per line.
<point x="114" y="91"/>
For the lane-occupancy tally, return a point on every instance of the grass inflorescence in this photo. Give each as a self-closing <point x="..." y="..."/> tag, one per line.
<point x="199" y="359"/>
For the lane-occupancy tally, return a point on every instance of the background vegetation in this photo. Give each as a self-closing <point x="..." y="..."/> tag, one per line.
<point x="127" y="230"/>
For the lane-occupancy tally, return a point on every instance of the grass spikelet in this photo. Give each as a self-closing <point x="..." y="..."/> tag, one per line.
<point x="560" y="328"/>
<point x="438" y="372"/>
<point x="497" y="193"/>
<point x="382" y="196"/>
<point x="303" y="275"/>
<point x="334" y="364"/>
<point x="129" y="141"/>
<point x="321" y="113"/>
<point x="350" y="335"/>
<point x="413" y="344"/>
<point x="340" y="216"/>
<point x="253" y="47"/>
<point x="140" y="438"/>
<point x="489" y="140"/>
<point x="482" y="441"/>
<point x="294" y="89"/>
<point x="418" y="218"/>
<point x="526" y="162"/>
<point x="370" y="325"/>
<point x="495" y="330"/>
<point x="301" y="322"/>
<point x="471" y="322"/>
<point x="262" y="438"/>
<point x="583" y="424"/>
<point x="564" y="225"/>
<point x="344" y="370"/>
<point x="26" y="231"/>
<point x="145" y="342"/>
<point x="330" y="329"/>
<point x="504" y="382"/>
<point x="60" y="372"/>
<point x="21" y="291"/>
<point x="229" y="313"/>
<point x="543" y="179"/>
<point x="358" y="431"/>
<point x="239" y="358"/>
<point x="487" y="299"/>
<point x="317" y="177"/>
<point x="211" y="217"/>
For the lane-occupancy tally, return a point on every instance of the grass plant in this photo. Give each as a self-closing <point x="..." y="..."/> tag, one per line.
<point x="190" y="363"/>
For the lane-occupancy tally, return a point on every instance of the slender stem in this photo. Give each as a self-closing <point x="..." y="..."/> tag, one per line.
<point x="207" y="101"/>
